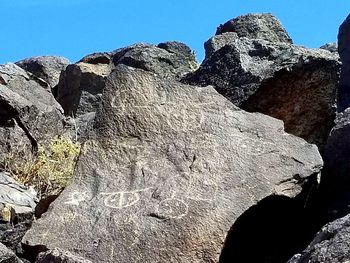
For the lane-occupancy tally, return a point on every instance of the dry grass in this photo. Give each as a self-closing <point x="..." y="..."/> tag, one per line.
<point x="50" y="170"/>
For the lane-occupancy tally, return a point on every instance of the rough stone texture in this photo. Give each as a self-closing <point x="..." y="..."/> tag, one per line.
<point x="81" y="85"/>
<point x="28" y="112"/>
<point x="261" y="26"/>
<point x="58" y="256"/>
<point x="291" y="83"/>
<point x="331" y="47"/>
<point x="7" y="256"/>
<point x="47" y="68"/>
<point x="343" y="101"/>
<point x="331" y="244"/>
<point x="171" y="168"/>
<point x="22" y="200"/>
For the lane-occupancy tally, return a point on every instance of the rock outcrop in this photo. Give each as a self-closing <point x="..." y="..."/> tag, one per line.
<point x="81" y="85"/>
<point x="171" y="168"/>
<point x="47" y="68"/>
<point x="262" y="74"/>
<point x="331" y="244"/>
<point x="28" y="111"/>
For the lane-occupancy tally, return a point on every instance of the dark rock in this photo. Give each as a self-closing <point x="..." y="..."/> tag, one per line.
<point x="29" y="114"/>
<point x="7" y="256"/>
<point x="288" y="82"/>
<point x="47" y="68"/>
<point x="343" y="101"/>
<point x="256" y="26"/>
<point x="171" y="168"/>
<point x="81" y="85"/>
<point x="331" y="47"/>
<point x="331" y="244"/>
<point x="59" y="256"/>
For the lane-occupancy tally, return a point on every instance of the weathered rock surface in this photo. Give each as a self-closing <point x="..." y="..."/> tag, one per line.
<point x="171" y="168"/>
<point x="260" y="26"/>
<point x="331" y="244"/>
<point x="47" y="68"/>
<point x="343" y="101"/>
<point x="288" y="82"/>
<point x="28" y="112"/>
<point x="331" y="47"/>
<point x="81" y="85"/>
<point x="7" y="256"/>
<point x="58" y="256"/>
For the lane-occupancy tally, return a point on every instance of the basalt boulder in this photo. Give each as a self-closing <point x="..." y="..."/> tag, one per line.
<point x="47" y="68"/>
<point x="292" y="83"/>
<point x="171" y="168"/>
<point x="331" y="244"/>
<point x="81" y="85"/>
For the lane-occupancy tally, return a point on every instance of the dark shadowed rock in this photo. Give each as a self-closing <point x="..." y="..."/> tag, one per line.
<point x="28" y="112"/>
<point x="81" y="85"/>
<point x="331" y="47"/>
<point x="47" y="68"/>
<point x="59" y="256"/>
<point x="288" y="82"/>
<point x="7" y="256"/>
<point x="343" y="101"/>
<point x="260" y="26"/>
<point x="171" y="168"/>
<point x="331" y="244"/>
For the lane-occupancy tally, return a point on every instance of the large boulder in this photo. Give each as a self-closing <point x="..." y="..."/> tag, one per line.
<point x="288" y="82"/>
<point x="81" y="85"/>
<point x="261" y="26"/>
<point x="344" y="53"/>
<point x="29" y="113"/>
<point x="171" y="168"/>
<point x="47" y="68"/>
<point x="331" y="244"/>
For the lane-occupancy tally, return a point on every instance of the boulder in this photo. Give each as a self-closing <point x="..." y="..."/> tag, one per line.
<point x="331" y="244"/>
<point x="171" y="167"/>
<point x="288" y="82"/>
<point x="81" y="85"/>
<point x="7" y="256"/>
<point x="58" y="256"/>
<point x="29" y="113"/>
<point x="343" y="101"/>
<point x="261" y="26"/>
<point x="47" y="68"/>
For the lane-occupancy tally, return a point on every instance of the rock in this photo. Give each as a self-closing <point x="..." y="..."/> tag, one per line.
<point x="7" y="256"/>
<point x="331" y="47"/>
<point x="58" y="256"/>
<point x="81" y="85"/>
<point x="288" y="82"/>
<point x="256" y="26"/>
<point x="21" y="199"/>
<point x="29" y="114"/>
<point x="331" y="244"/>
<point x="171" y="168"/>
<point x="47" y="68"/>
<point x="343" y="101"/>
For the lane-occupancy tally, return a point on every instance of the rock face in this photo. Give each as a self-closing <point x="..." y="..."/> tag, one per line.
<point x="171" y="168"/>
<point x="331" y="47"/>
<point x="288" y="82"/>
<point x="7" y="256"/>
<point x="28" y="111"/>
<point x="344" y="53"/>
<point x="81" y="85"/>
<point x="47" y="68"/>
<point x="58" y="256"/>
<point x="260" y="26"/>
<point x="331" y="244"/>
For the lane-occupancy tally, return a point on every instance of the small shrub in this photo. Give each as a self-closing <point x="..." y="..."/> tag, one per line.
<point x="50" y="170"/>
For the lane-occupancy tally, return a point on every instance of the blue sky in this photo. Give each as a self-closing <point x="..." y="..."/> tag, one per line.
<point x="74" y="28"/>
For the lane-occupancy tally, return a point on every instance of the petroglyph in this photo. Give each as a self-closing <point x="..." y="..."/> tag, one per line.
<point x="122" y="199"/>
<point x="76" y="198"/>
<point x="172" y="208"/>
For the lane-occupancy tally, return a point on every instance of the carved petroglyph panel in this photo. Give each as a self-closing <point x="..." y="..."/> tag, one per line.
<point x="122" y="199"/>
<point x="172" y="208"/>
